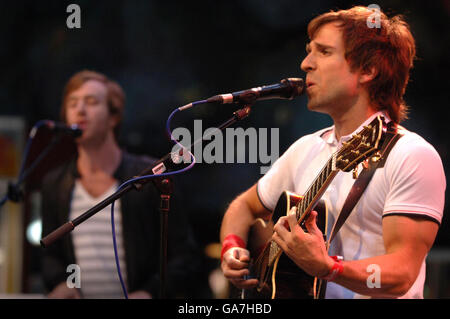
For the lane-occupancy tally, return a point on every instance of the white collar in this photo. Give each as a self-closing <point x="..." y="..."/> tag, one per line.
<point x="330" y="135"/>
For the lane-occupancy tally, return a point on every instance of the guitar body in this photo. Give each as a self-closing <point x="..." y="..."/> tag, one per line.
<point x="282" y="279"/>
<point x="278" y="276"/>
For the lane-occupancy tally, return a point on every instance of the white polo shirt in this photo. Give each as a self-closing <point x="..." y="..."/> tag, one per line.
<point x="412" y="182"/>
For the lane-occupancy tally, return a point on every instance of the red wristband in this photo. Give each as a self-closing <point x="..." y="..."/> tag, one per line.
<point x="230" y="241"/>
<point x="336" y="270"/>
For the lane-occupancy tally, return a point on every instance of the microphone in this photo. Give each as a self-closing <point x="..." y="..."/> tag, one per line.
<point x="286" y="89"/>
<point x="58" y="127"/>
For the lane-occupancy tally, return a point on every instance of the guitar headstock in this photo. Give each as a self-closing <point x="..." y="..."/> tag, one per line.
<point x="361" y="146"/>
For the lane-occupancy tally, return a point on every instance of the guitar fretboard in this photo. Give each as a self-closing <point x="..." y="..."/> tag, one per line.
<point x="310" y="199"/>
<point x="317" y="188"/>
<point x="360" y="147"/>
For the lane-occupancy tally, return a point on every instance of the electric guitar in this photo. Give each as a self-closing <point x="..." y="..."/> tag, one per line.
<point x="278" y="276"/>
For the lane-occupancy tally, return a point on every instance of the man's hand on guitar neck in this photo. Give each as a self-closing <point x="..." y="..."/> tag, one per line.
<point x="235" y="264"/>
<point x="306" y="249"/>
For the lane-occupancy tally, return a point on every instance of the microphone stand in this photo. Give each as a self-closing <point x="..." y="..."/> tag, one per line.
<point x="164" y="186"/>
<point x="14" y="193"/>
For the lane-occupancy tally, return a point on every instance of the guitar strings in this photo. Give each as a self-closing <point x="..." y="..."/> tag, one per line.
<point x="321" y="177"/>
<point x="327" y="169"/>
<point x="307" y="198"/>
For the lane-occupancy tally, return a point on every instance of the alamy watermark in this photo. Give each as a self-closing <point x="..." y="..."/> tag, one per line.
<point x="374" y="20"/>
<point x="229" y="147"/>
<point x="73" y="21"/>
<point x="74" y="279"/>
<point x="374" y="279"/>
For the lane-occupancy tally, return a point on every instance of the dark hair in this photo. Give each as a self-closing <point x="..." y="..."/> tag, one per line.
<point x="389" y="48"/>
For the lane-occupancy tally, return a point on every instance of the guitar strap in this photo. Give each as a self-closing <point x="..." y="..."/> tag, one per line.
<point x="377" y="161"/>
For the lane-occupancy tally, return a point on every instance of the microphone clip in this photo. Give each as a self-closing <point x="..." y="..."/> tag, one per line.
<point x="243" y="112"/>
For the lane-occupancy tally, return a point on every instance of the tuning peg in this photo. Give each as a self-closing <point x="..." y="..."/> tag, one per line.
<point x="355" y="172"/>
<point x="376" y="157"/>
<point x="366" y="163"/>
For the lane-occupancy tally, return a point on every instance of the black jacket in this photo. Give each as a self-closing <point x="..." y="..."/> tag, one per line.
<point x="141" y="232"/>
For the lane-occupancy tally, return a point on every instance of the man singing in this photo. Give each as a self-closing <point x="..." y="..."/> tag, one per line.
<point x="355" y="71"/>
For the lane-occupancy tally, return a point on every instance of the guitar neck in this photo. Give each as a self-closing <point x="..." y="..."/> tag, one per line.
<point x="317" y="188"/>
<point x="362" y="145"/>
<point x="310" y="199"/>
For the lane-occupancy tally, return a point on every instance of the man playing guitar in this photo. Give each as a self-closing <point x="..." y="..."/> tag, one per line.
<point x="355" y="73"/>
